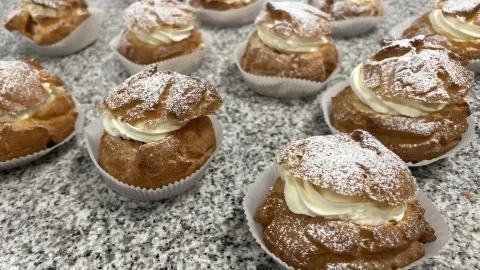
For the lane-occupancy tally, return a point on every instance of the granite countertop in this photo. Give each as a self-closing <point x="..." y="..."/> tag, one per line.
<point x="56" y="213"/>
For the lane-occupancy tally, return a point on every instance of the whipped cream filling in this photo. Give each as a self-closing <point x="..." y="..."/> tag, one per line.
<point x="25" y="114"/>
<point x="42" y="11"/>
<point x="453" y="26"/>
<point x="392" y="106"/>
<point x="303" y="198"/>
<point x="141" y="132"/>
<point x="292" y="44"/>
<point x="164" y="35"/>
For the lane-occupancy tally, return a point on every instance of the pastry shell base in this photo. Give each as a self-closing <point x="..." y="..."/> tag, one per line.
<point x="326" y="104"/>
<point x="185" y="64"/>
<point x="281" y="87"/>
<point x="93" y="135"/>
<point x="259" y="189"/>
<point x="17" y="162"/>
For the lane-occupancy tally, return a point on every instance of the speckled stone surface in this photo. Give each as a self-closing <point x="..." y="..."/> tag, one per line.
<point x="57" y="213"/>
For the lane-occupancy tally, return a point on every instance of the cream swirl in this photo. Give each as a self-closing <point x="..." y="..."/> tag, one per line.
<point x="141" y="132"/>
<point x="453" y="26"/>
<point x="289" y="44"/>
<point x="164" y="35"/>
<point x="303" y="198"/>
<point x="392" y="106"/>
<point x="25" y="114"/>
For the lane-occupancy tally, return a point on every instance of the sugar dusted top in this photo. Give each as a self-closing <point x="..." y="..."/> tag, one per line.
<point x="459" y="7"/>
<point x="21" y="85"/>
<point x="146" y="15"/>
<point x="351" y="165"/>
<point x="417" y="70"/>
<point x="157" y="96"/>
<point x="59" y="4"/>
<point x="294" y="19"/>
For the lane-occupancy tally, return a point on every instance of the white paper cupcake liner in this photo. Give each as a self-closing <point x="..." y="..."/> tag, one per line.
<point x="185" y="64"/>
<point x="93" y="135"/>
<point x="358" y="26"/>
<point x="281" y="87"/>
<point x="326" y="104"/>
<point x="259" y="189"/>
<point x="397" y="32"/>
<point x="17" y="162"/>
<point x="85" y="34"/>
<point x="231" y="17"/>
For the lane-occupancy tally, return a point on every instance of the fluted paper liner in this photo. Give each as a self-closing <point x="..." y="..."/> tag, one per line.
<point x="93" y="135"/>
<point x="230" y="17"/>
<point x="17" y="162"/>
<point x="281" y="87"/>
<point x="185" y="64"/>
<point x="259" y="189"/>
<point x="360" y="25"/>
<point x="85" y="34"/>
<point x="397" y="32"/>
<point x="326" y="104"/>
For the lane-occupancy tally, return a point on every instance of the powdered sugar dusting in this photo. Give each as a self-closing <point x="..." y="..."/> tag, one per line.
<point x="345" y="9"/>
<point x="460" y="6"/>
<point x="149" y="14"/>
<point x="292" y="18"/>
<point x="163" y="94"/>
<point x="58" y="3"/>
<point x="413" y="69"/>
<point x="352" y="165"/>
<point x="414" y="126"/>
<point x="339" y="236"/>
<point x="20" y="87"/>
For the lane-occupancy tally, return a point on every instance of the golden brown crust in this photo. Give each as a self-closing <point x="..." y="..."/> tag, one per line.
<point x="417" y="70"/>
<point x="413" y="139"/>
<point x="218" y="5"/>
<point x="315" y="243"/>
<point x="59" y="4"/>
<point x="147" y="15"/>
<point x="157" y="96"/>
<point x="142" y="53"/>
<point x="294" y="19"/>
<point x="354" y="165"/>
<point x="470" y="49"/>
<point x="157" y="164"/>
<point x="344" y="10"/>
<point x="45" y="30"/>
<point x="44" y="129"/>
<point x="21" y="85"/>
<point x="468" y="9"/>
<point x="261" y="60"/>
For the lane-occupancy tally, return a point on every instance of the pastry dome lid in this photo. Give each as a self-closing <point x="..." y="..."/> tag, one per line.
<point x="355" y="164"/>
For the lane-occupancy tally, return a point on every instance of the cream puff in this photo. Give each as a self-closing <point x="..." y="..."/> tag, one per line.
<point x="458" y="21"/>
<point x="343" y="202"/>
<point x="348" y="9"/>
<point x="158" y="30"/>
<point x="156" y="128"/>
<point x="410" y="95"/>
<point x="47" y="22"/>
<point x="221" y="5"/>
<point x="36" y="112"/>
<point x="291" y="41"/>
